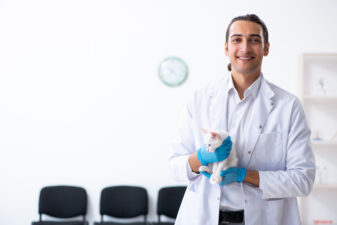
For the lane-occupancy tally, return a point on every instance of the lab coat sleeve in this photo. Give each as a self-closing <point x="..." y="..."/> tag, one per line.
<point x="298" y="178"/>
<point x="182" y="146"/>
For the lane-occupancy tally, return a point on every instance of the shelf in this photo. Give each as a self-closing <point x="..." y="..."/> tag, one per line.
<point x="325" y="186"/>
<point x="320" y="55"/>
<point x="325" y="99"/>
<point x="320" y="222"/>
<point x="324" y="143"/>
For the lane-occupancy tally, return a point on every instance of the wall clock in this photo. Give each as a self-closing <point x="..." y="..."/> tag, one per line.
<point x="173" y="71"/>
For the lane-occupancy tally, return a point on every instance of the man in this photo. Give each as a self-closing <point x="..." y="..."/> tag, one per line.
<point x="270" y="134"/>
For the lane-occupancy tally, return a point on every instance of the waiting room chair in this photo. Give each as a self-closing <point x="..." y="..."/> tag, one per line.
<point x="169" y="200"/>
<point x="63" y="202"/>
<point x="123" y="202"/>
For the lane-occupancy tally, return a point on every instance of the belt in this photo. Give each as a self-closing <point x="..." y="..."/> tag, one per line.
<point x="226" y="217"/>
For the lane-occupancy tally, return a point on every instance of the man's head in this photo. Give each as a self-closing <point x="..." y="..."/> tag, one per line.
<point x="246" y="44"/>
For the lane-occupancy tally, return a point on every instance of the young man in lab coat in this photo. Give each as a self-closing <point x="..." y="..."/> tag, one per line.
<point x="270" y="134"/>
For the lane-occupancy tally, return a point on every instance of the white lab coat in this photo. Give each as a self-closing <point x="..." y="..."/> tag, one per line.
<point x="279" y="141"/>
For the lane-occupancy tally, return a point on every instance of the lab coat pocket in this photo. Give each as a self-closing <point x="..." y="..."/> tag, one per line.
<point x="190" y="208"/>
<point x="269" y="153"/>
<point x="274" y="211"/>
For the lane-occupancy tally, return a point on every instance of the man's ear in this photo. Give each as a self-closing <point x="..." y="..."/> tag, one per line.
<point x="266" y="49"/>
<point x="226" y="48"/>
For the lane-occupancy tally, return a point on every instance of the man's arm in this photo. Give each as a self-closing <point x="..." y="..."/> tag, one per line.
<point x="252" y="177"/>
<point x="298" y="177"/>
<point x="194" y="162"/>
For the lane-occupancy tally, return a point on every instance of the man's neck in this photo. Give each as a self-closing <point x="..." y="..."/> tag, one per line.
<point x="243" y="81"/>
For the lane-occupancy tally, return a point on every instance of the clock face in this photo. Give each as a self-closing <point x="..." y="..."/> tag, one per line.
<point x="173" y="71"/>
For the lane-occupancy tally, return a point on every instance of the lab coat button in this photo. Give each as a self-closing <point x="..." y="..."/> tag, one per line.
<point x="272" y="103"/>
<point x="246" y="201"/>
<point x="260" y="126"/>
<point x="249" y="152"/>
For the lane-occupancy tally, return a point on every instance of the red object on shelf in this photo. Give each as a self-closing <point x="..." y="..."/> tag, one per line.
<point x="323" y="222"/>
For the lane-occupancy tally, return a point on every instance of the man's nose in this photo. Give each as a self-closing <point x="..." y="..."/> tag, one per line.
<point x="244" y="47"/>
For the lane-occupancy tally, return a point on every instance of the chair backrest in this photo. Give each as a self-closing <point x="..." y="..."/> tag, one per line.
<point x="169" y="200"/>
<point x="63" y="201"/>
<point x="124" y="201"/>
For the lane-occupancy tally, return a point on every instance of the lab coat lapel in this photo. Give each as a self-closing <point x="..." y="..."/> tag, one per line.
<point x="262" y="107"/>
<point x="218" y="109"/>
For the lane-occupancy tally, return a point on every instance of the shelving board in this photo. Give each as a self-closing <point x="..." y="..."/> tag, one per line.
<point x="317" y="99"/>
<point x="325" y="186"/>
<point x="324" y="144"/>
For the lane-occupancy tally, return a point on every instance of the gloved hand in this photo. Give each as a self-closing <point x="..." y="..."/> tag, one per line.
<point x="231" y="175"/>
<point x="221" y="153"/>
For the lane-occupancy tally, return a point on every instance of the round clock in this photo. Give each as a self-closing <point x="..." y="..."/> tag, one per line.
<point x="173" y="71"/>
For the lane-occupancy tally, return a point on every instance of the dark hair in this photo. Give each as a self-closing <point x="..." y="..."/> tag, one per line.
<point x="249" y="17"/>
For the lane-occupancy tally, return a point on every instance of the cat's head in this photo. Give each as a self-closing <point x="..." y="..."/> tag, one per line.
<point x="212" y="139"/>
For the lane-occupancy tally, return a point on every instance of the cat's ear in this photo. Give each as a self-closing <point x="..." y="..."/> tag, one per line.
<point x="204" y="131"/>
<point x="215" y="135"/>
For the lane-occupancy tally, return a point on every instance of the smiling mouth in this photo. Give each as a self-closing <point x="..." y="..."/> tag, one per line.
<point x="245" y="58"/>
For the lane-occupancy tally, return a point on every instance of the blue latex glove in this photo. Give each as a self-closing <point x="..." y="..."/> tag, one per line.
<point x="221" y="153"/>
<point x="231" y="175"/>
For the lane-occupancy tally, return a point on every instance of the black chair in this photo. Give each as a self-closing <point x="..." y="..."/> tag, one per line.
<point x="123" y="202"/>
<point x="63" y="202"/>
<point x="169" y="200"/>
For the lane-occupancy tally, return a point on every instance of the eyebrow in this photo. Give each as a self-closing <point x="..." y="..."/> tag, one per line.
<point x="251" y="35"/>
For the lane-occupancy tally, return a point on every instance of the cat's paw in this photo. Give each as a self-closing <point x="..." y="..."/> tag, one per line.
<point x="215" y="179"/>
<point x="205" y="169"/>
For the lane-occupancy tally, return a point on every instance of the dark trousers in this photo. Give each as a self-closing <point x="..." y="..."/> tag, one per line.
<point x="231" y="217"/>
<point x="243" y="223"/>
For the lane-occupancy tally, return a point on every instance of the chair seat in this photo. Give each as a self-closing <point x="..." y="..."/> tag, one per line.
<point x="115" y="223"/>
<point x="60" y="223"/>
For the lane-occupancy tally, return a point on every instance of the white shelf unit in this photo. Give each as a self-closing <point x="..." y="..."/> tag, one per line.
<point x="318" y="93"/>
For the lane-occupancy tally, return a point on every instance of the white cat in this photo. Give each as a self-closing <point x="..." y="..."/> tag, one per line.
<point x="214" y="139"/>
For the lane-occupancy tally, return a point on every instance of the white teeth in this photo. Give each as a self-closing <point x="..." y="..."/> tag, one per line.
<point x="245" y="57"/>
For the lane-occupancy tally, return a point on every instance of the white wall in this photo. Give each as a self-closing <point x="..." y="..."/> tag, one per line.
<point x="80" y="100"/>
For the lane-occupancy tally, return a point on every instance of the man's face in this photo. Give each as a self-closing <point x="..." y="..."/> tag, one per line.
<point x="246" y="47"/>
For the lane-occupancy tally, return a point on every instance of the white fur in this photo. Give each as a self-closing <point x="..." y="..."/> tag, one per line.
<point x="213" y="140"/>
